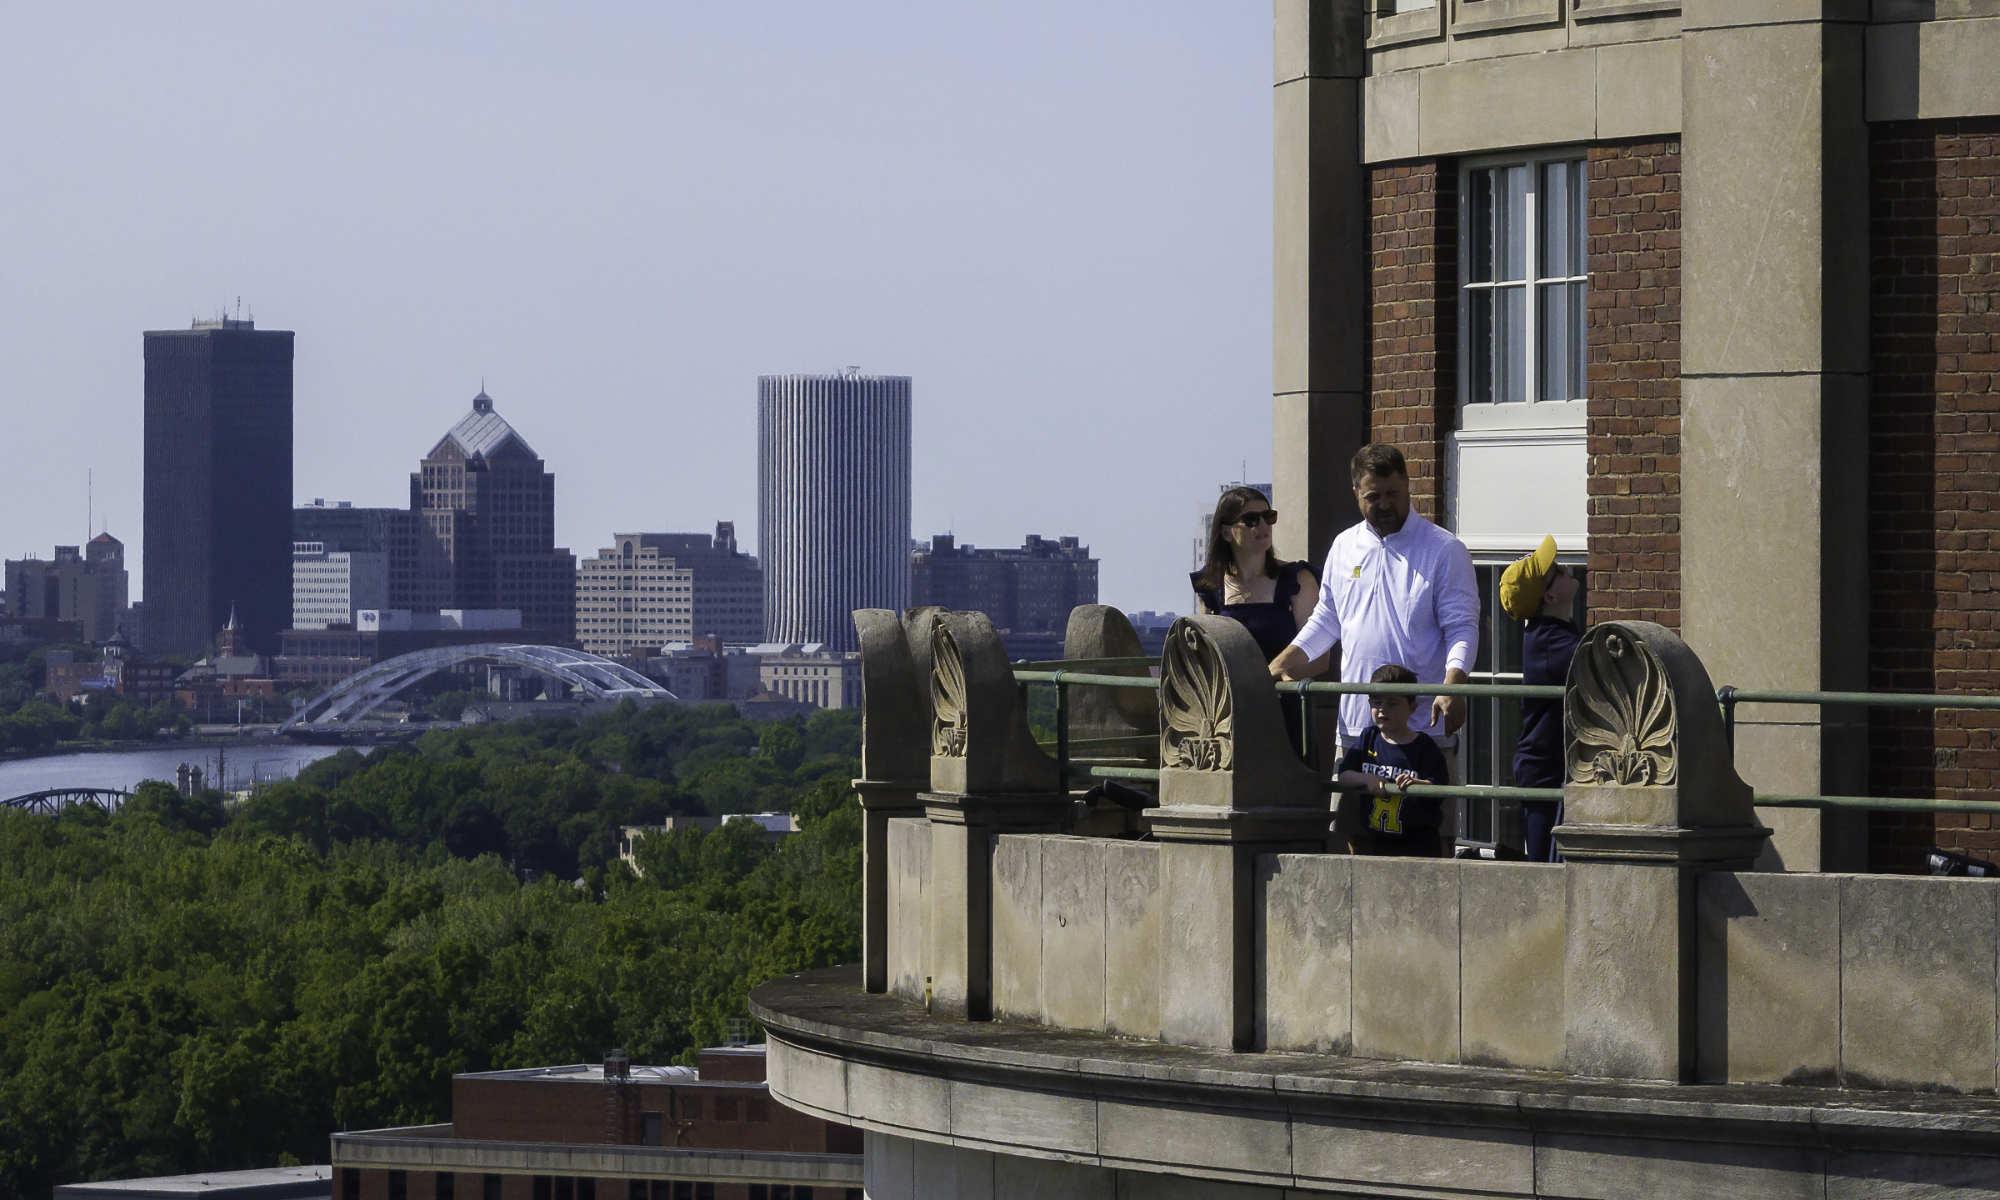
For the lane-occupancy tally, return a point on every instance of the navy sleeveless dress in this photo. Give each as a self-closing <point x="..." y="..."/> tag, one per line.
<point x="1271" y="623"/>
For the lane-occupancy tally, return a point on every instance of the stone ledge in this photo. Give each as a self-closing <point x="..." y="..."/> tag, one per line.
<point x="419" y="1148"/>
<point x="887" y="1066"/>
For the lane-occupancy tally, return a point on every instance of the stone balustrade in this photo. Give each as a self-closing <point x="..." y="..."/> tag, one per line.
<point x="1654" y="953"/>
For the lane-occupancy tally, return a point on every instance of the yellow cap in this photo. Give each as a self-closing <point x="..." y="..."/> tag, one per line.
<point x="1522" y="582"/>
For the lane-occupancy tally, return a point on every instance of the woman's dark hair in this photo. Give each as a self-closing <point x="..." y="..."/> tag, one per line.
<point x="1221" y="562"/>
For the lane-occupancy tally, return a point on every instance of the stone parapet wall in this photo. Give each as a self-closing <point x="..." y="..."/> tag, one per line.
<point x="1934" y="471"/>
<point x="1413" y="346"/>
<point x="1853" y="981"/>
<point x="1814" y="980"/>
<point x="1634" y="335"/>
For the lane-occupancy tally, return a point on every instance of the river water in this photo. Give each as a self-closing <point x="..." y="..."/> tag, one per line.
<point x="244" y="764"/>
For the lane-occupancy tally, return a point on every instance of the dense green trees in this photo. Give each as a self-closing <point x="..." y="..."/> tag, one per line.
<point x="185" y="988"/>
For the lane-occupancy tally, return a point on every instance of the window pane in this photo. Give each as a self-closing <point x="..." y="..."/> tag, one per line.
<point x="1579" y="217"/>
<point x="1479" y="346"/>
<point x="1510" y="345"/>
<point x="1554" y="210"/>
<point x="1479" y="226"/>
<point x="1553" y="363"/>
<point x="1511" y="233"/>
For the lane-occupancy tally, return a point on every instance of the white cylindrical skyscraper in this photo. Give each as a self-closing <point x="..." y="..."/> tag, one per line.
<point x="833" y="501"/>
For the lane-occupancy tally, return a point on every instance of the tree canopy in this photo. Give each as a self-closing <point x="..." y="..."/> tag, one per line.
<point x="184" y="987"/>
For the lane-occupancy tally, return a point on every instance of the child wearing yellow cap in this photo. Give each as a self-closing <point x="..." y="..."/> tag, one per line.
<point x="1541" y="593"/>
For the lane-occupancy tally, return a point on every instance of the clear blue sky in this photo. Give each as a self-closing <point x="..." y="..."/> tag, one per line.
<point x="1054" y="214"/>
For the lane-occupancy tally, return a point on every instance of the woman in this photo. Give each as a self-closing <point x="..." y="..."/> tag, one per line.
<point x="1243" y="579"/>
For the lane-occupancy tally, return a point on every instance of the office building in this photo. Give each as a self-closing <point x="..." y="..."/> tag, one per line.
<point x="218" y="484"/>
<point x="330" y="586"/>
<point x="648" y="589"/>
<point x="613" y="1131"/>
<point x="1029" y="590"/>
<point x="810" y="674"/>
<point x="87" y="585"/>
<point x="414" y="579"/>
<point x="833" y="501"/>
<point x="486" y="514"/>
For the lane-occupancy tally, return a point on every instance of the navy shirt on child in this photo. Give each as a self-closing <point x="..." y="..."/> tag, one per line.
<point x="1546" y="647"/>
<point x="1391" y="815"/>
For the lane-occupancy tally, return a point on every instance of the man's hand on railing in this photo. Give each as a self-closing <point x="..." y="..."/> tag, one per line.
<point x="1449" y="711"/>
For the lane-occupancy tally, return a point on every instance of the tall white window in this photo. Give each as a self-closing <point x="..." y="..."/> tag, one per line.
<point x="1522" y="268"/>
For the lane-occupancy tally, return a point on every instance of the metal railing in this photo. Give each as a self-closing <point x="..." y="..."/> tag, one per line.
<point x="1063" y="675"/>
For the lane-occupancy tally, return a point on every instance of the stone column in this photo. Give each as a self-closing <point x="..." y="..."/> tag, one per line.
<point x="1319" y="266"/>
<point x="1230" y="789"/>
<point x="1774" y="485"/>
<point x="1650" y="801"/>
<point x="895" y="762"/>
<point x="987" y="778"/>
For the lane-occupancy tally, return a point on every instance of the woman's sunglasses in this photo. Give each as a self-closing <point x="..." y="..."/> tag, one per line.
<point x="1252" y="520"/>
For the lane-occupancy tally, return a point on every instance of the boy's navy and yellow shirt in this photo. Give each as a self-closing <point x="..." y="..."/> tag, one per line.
<point x="1391" y="814"/>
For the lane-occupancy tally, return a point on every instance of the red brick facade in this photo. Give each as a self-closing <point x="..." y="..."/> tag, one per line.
<point x="1934" y="500"/>
<point x="728" y="1108"/>
<point x="1634" y="382"/>
<point x="1413" y="299"/>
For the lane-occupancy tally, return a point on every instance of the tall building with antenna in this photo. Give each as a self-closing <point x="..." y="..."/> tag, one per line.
<point x="218" y="485"/>
<point x="833" y="501"/>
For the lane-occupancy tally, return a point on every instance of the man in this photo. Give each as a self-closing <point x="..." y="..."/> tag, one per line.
<point x="1396" y="589"/>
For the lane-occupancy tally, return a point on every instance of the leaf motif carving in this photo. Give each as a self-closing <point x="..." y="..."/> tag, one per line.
<point x="948" y="699"/>
<point x="1197" y="714"/>
<point x="1620" y="710"/>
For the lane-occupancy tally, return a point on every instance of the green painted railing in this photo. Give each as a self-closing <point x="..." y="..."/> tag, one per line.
<point x="1093" y="673"/>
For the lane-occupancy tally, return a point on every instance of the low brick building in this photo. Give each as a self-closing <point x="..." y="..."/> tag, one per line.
<point x="609" y="1131"/>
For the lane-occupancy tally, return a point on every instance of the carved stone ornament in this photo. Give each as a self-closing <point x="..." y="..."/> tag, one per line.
<point x="1197" y="713"/>
<point x="948" y="695"/>
<point x="1620" y="709"/>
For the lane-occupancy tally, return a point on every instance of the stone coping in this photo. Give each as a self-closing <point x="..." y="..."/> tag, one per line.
<point x="826" y="1015"/>
<point x="421" y="1148"/>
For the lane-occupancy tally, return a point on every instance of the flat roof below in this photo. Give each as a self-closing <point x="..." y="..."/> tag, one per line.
<point x="263" y="1183"/>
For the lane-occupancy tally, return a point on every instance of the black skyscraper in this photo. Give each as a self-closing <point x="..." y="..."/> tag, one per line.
<point x="218" y="485"/>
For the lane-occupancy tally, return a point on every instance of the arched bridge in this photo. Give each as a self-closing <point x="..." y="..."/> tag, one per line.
<point x="594" y="676"/>
<point x="54" y="800"/>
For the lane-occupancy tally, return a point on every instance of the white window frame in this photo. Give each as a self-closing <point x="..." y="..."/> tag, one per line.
<point x="1532" y="412"/>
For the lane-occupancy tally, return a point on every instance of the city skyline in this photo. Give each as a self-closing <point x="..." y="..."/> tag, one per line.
<point x="909" y="193"/>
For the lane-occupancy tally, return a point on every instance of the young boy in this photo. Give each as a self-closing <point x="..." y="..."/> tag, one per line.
<point x="1381" y="766"/>
<point x="1541" y="592"/>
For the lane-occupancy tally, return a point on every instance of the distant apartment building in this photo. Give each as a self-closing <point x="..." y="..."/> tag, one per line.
<point x="486" y="514"/>
<point x="649" y="589"/>
<point x="1027" y="590"/>
<point x="218" y="484"/>
<point x="416" y="579"/>
<point x="86" y="585"/>
<point x="610" y="1131"/>
<point x="833" y="501"/>
<point x="330" y="586"/>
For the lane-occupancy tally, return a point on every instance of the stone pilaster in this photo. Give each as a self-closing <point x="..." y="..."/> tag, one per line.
<point x="1775" y="356"/>
<point x="1651" y="801"/>
<point x="987" y="777"/>
<point x="1230" y="790"/>
<point x="895" y="762"/>
<point x="1319" y="410"/>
